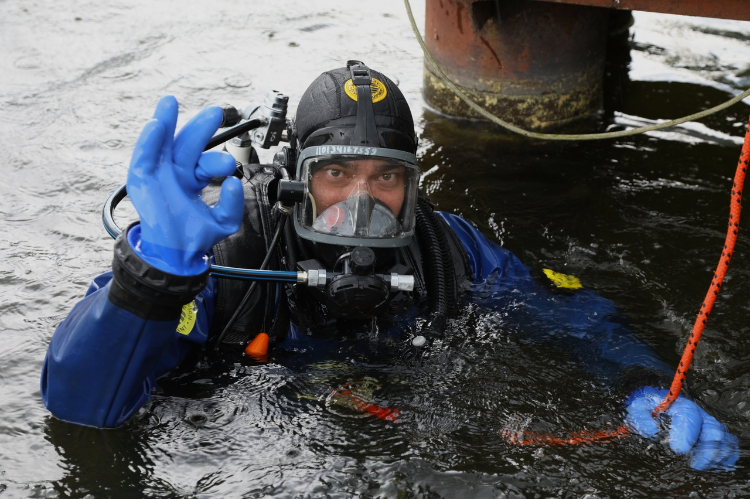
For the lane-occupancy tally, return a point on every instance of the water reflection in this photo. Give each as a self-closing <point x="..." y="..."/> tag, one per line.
<point x="101" y="463"/>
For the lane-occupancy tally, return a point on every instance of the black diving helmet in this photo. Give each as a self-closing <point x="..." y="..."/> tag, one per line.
<point x="356" y="158"/>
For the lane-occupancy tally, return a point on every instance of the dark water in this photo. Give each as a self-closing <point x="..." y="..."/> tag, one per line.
<point x="641" y="220"/>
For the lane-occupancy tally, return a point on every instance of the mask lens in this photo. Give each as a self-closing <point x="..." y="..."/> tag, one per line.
<point x="354" y="197"/>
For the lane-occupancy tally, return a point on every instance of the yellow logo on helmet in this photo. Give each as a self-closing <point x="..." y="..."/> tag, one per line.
<point x="376" y="87"/>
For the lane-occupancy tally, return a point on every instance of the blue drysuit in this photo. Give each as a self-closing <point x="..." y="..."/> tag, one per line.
<point x="103" y="361"/>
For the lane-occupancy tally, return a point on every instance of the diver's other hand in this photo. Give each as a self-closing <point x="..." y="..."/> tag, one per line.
<point x="691" y="429"/>
<point x="165" y="179"/>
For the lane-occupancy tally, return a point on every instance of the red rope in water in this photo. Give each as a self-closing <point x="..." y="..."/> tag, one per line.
<point x="575" y="438"/>
<point x="586" y="437"/>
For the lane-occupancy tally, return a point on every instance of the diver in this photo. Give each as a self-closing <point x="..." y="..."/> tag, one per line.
<point x="370" y="243"/>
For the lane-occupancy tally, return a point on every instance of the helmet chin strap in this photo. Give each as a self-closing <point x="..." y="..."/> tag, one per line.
<point x="365" y="131"/>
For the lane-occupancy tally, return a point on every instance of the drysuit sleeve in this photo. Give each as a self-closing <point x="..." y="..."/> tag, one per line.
<point x="134" y="324"/>
<point x="579" y="320"/>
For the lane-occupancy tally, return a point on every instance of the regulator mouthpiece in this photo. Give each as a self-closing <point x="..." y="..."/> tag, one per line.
<point x="352" y="289"/>
<point x="359" y="215"/>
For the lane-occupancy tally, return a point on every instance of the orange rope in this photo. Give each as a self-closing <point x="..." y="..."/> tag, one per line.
<point x="576" y="438"/>
<point x="587" y="437"/>
<point x="718" y="279"/>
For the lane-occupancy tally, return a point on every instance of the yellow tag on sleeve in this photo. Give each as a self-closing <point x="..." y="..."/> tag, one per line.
<point x="562" y="280"/>
<point x="187" y="318"/>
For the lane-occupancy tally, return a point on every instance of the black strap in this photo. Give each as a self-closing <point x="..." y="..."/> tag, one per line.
<point x="365" y="130"/>
<point x="146" y="291"/>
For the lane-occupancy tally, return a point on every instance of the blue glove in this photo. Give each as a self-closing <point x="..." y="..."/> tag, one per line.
<point x="691" y="430"/>
<point x="165" y="179"/>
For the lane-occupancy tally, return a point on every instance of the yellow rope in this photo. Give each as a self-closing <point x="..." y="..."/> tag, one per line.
<point x="551" y="136"/>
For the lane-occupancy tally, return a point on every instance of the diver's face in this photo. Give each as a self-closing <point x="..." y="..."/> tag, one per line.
<point x="338" y="181"/>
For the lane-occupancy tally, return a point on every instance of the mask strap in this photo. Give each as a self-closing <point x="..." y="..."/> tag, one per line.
<point x="365" y="131"/>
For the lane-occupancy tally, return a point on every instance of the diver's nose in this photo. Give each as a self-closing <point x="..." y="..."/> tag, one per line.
<point x="362" y="189"/>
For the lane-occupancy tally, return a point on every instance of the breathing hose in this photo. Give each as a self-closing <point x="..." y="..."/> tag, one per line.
<point x="240" y="308"/>
<point x="216" y="270"/>
<point x="436" y="278"/>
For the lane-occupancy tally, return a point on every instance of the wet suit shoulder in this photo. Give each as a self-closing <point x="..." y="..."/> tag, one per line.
<point x="579" y="320"/>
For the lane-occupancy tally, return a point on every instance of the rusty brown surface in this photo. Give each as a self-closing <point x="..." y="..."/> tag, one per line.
<point x="537" y="65"/>
<point x="722" y="9"/>
<point x="531" y="112"/>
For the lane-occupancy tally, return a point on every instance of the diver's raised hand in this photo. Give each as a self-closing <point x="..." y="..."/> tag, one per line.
<point x="165" y="179"/>
<point x="691" y="429"/>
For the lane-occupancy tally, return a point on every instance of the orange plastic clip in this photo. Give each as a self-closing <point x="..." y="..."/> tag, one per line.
<point x="258" y="348"/>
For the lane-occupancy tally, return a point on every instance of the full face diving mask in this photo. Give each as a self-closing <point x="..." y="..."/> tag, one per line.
<point x="357" y="199"/>
<point x="356" y="186"/>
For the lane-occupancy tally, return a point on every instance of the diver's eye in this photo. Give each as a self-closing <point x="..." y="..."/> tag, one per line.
<point x="387" y="177"/>
<point x="335" y="173"/>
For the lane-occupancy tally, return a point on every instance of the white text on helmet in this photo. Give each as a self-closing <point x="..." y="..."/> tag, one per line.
<point x="367" y="151"/>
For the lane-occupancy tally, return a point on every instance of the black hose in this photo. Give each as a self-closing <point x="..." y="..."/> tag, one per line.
<point x="292" y="250"/>
<point x="280" y="326"/>
<point x="241" y="306"/>
<point x="432" y="241"/>
<point x="449" y="269"/>
<point x="232" y="133"/>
